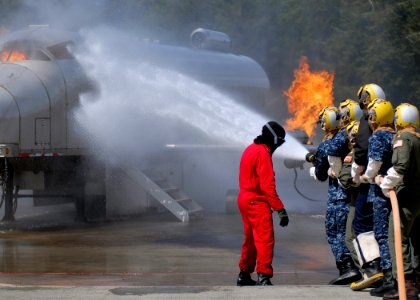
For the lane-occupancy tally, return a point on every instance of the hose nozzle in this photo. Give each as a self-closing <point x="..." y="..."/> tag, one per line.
<point x="310" y="157"/>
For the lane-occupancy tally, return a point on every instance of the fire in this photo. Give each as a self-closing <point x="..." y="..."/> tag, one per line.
<point x="14" y="56"/>
<point x="307" y="95"/>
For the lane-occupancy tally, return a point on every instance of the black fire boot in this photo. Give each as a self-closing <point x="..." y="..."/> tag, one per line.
<point x="372" y="274"/>
<point x="264" y="279"/>
<point x="244" y="279"/>
<point x="409" y="288"/>
<point x="387" y="285"/>
<point x="348" y="273"/>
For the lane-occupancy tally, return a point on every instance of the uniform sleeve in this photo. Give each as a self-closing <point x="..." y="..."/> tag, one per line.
<point x="345" y="175"/>
<point x="376" y="147"/>
<point x="376" y="150"/>
<point x="321" y="162"/>
<point x="267" y="181"/>
<point x="401" y="156"/>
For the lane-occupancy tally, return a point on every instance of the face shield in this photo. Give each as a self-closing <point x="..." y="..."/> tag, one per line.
<point x="344" y="116"/>
<point x="372" y="119"/>
<point x="364" y="100"/>
<point x="278" y="140"/>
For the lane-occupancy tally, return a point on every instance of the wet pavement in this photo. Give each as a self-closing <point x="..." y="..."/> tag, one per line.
<point x="155" y="250"/>
<point x="157" y="257"/>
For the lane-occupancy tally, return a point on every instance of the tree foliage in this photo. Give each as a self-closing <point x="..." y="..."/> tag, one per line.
<point x="362" y="41"/>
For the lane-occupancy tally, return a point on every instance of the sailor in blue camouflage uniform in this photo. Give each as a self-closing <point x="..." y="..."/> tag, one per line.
<point x="350" y="111"/>
<point x="381" y="116"/>
<point x="338" y="200"/>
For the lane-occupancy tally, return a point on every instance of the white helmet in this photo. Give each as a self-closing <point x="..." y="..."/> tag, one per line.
<point x="406" y="115"/>
<point x="369" y="92"/>
<point x="349" y="111"/>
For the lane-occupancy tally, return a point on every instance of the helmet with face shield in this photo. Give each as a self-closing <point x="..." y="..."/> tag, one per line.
<point x="352" y="130"/>
<point x="329" y="118"/>
<point x="381" y="113"/>
<point x="406" y="115"/>
<point x="369" y="92"/>
<point x="349" y="111"/>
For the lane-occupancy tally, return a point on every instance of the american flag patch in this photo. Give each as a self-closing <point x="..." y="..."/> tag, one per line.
<point x="348" y="159"/>
<point x="398" y="143"/>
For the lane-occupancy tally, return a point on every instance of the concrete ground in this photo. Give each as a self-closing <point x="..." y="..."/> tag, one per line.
<point x="294" y="292"/>
<point x="158" y="257"/>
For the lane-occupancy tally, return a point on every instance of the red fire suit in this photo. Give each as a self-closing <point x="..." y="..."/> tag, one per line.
<point x="257" y="196"/>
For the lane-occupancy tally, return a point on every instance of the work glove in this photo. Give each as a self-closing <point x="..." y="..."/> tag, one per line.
<point x="378" y="179"/>
<point x="386" y="192"/>
<point x="331" y="173"/>
<point x="284" y="218"/>
<point x="356" y="169"/>
<point x="364" y="179"/>
<point x="356" y="181"/>
<point x="312" y="172"/>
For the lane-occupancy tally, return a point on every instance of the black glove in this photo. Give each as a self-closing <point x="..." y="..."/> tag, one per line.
<point x="284" y="218"/>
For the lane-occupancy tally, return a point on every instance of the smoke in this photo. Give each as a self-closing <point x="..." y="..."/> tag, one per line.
<point x="141" y="108"/>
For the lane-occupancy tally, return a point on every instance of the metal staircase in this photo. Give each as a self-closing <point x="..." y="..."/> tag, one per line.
<point x="171" y="197"/>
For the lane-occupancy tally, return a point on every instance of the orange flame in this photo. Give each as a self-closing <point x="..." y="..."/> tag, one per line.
<point x="15" y="56"/>
<point x="307" y="95"/>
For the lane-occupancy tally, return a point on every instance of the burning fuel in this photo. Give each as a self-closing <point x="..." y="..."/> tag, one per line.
<point x="308" y="94"/>
<point x="10" y="56"/>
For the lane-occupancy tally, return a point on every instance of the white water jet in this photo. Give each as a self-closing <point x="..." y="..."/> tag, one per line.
<point x="141" y="107"/>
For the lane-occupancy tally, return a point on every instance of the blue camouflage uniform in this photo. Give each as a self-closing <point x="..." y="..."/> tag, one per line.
<point x="338" y="201"/>
<point x="339" y="146"/>
<point x="380" y="149"/>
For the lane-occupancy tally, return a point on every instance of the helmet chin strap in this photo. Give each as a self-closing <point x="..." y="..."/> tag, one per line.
<point x="272" y="132"/>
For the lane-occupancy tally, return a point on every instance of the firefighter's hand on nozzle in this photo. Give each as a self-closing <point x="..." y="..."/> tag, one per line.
<point x="284" y="218"/>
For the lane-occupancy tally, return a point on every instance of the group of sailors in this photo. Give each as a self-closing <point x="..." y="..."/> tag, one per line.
<point x="369" y="149"/>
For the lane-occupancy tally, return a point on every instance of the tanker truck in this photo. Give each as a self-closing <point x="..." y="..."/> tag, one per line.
<point x="41" y="150"/>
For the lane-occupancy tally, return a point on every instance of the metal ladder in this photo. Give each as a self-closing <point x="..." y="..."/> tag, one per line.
<point x="172" y="198"/>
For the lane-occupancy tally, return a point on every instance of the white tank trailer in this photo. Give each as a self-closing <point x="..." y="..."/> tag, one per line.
<point x="40" y="86"/>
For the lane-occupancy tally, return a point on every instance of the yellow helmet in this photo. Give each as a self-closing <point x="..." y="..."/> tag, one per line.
<point x="349" y="111"/>
<point x="369" y="92"/>
<point x="321" y="112"/>
<point x="353" y="128"/>
<point x="381" y="113"/>
<point x="329" y="117"/>
<point x="406" y="115"/>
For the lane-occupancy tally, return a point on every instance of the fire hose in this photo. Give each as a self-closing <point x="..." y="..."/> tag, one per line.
<point x="398" y="245"/>
<point x="298" y="164"/>
<point x="299" y="192"/>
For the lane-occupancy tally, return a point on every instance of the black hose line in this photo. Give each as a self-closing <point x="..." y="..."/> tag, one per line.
<point x="299" y="192"/>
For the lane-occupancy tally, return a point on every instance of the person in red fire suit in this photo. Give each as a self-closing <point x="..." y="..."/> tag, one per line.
<point x="256" y="200"/>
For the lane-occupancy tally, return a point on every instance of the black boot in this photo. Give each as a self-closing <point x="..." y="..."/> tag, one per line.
<point x="387" y="285"/>
<point x="371" y="273"/>
<point x="348" y="272"/>
<point x="409" y="289"/>
<point x="264" y="279"/>
<point x="244" y="279"/>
